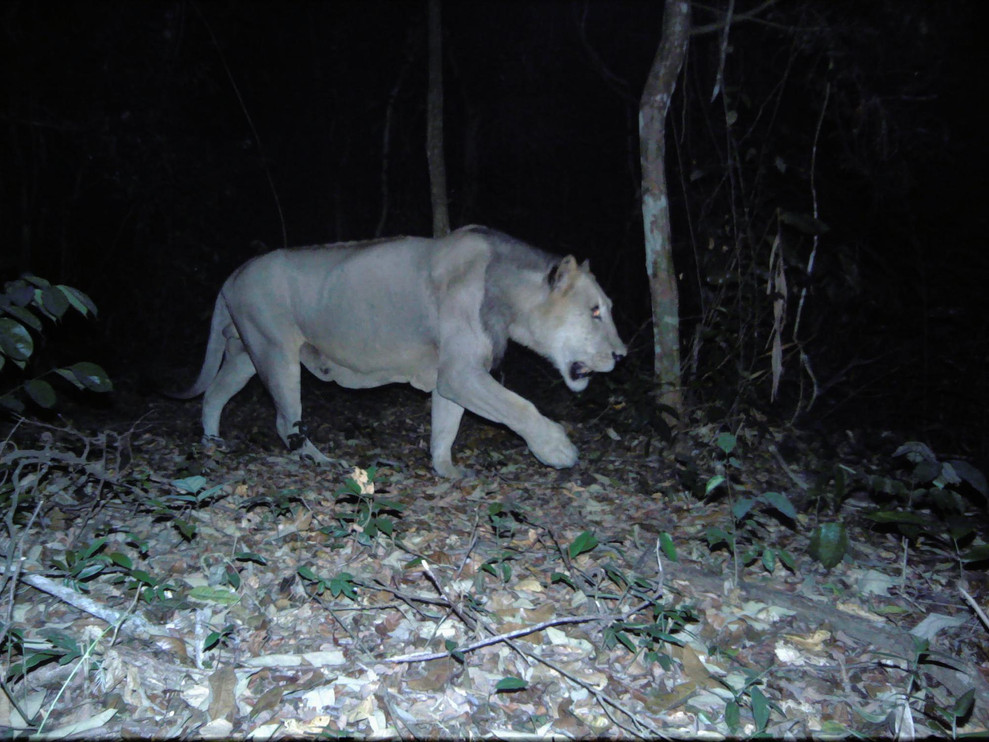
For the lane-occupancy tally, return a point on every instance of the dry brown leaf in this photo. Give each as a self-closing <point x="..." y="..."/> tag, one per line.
<point x="222" y="703"/>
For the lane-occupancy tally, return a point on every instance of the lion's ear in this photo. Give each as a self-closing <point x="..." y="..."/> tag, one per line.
<point x="563" y="275"/>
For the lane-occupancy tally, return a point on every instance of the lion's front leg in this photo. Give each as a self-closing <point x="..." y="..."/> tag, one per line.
<point x="480" y="393"/>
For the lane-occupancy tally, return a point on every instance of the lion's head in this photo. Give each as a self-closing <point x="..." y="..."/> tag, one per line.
<point x="572" y="325"/>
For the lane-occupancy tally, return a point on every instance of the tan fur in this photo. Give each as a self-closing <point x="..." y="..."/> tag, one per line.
<point x="432" y="313"/>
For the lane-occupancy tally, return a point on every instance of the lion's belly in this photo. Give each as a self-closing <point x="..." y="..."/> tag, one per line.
<point x="413" y="364"/>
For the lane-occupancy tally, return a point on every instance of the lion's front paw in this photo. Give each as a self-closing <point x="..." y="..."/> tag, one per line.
<point x="553" y="447"/>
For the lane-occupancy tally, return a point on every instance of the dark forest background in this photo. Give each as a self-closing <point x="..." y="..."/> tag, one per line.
<point x="148" y="148"/>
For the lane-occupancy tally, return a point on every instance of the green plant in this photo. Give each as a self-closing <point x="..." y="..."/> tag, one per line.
<point x="744" y="691"/>
<point x="746" y="526"/>
<point x="218" y="638"/>
<point x="34" y="651"/>
<point x="79" y="567"/>
<point x="500" y="566"/>
<point x="944" y="717"/>
<point x="342" y="583"/>
<point x="368" y="517"/>
<point x="664" y="626"/>
<point x="504" y="517"/>
<point x="933" y="499"/>
<point x="24" y="303"/>
<point x="280" y="503"/>
<point x="191" y="493"/>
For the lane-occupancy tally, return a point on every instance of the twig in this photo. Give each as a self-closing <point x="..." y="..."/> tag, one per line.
<point x="454" y="606"/>
<point x="525" y="631"/>
<point x="751" y="15"/>
<point x="975" y="606"/>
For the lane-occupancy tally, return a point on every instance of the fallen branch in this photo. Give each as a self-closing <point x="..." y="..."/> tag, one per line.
<point x="499" y="638"/>
<point x="132" y="624"/>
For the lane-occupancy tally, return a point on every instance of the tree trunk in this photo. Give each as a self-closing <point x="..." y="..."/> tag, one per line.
<point x="434" y="126"/>
<point x="653" y="107"/>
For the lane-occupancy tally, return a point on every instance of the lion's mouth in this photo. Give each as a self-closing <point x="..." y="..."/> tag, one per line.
<point x="579" y="371"/>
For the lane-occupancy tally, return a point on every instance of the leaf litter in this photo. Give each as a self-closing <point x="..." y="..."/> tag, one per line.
<point x="527" y="602"/>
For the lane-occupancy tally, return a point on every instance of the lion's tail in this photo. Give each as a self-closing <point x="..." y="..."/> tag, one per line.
<point x="214" y="352"/>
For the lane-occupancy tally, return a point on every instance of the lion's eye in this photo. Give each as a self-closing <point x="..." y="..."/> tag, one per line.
<point x="596" y="312"/>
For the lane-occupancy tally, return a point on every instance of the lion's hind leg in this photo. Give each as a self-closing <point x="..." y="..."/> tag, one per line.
<point x="236" y="370"/>
<point x="281" y="372"/>
<point x="445" y="423"/>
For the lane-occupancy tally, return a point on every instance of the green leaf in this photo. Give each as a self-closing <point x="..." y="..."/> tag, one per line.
<point x="121" y="560"/>
<point x="250" y="556"/>
<point x="741" y="507"/>
<point x="94" y="547"/>
<point x="38" y="281"/>
<point x="306" y="573"/>
<point x="19" y="293"/>
<point x="343" y="584"/>
<point x="511" y="683"/>
<point x="971" y="475"/>
<point x="915" y="451"/>
<point x="40" y="392"/>
<point x="781" y="502"/>
<point x="54" y="301"/>
<point x="978" y="553"/>
<point x="828" y="544"/>
<point x="963" y="705"/>
<point x="667" y="545"/>
<point x="626" y="641"/>
<point x="716" y="536"/>
<point x="10" y="402"/>
<point x="233" y="579"/>
<point x="561" y="577"/>
<point x="726" y="442"/>
<point x="141" y="576"/>
<point x="788" y="561"/>
<point x="760" y="708"/>
<point x="24" y="316"/>
<point x="897" y="516"/>
<point x="91" y="376"/>
<point x="15" y="341"/>
<point x="219" y="595"/>
<point x="768" y="559"/>
<point x="584" y="542"/>
<point x="927" y="471"/>
<point x="732" y="716"/>
<point x="89" y="570"/>
<point x="80" y="301"/>
<point x="713" y="483"/>
<point x="192" y="485"/>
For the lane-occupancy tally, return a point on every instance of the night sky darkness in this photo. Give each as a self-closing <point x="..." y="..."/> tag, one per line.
<point x="129" y="167"/>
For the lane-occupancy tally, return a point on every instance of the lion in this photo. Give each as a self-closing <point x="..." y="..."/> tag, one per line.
<point x="433" y="313"/>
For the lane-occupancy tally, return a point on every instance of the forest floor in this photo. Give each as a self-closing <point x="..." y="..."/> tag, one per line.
<point x="658" y="589"/>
